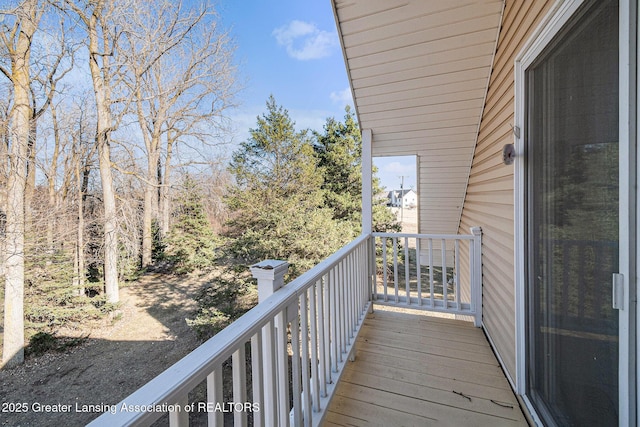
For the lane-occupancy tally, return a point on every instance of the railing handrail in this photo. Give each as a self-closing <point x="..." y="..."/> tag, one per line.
<point x="187" y="373"/>
<point x="426" y="236"/>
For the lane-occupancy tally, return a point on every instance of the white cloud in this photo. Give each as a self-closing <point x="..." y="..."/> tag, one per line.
<point x="342" y="97"/>
<point x="304" y="41"/>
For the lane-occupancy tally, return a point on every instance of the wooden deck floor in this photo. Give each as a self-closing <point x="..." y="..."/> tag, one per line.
<point x="417" y="370"/>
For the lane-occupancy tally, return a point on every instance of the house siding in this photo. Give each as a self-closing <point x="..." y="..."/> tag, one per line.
<point x="489" y="199"/>
<point x="419" y="72"/>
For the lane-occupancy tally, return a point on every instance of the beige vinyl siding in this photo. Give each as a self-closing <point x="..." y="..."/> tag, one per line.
<point x="489" y="199"/>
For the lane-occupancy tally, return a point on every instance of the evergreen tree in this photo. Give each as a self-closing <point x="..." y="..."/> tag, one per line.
<point x="277" y="200"/>
<point x="339" y="150"/>
<point x="191" y="243"/>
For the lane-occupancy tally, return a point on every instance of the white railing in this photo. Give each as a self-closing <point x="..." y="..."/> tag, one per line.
<point x="291" y="348"/>
<point x="430" y="271"/>
<point x="298" y="340"/>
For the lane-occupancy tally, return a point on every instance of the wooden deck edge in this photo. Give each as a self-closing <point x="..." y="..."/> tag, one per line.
<point x="523" y="406"/>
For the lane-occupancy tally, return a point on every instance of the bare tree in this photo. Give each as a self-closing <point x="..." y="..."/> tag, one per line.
<point x="63" y="168"/>
<point x="99" y="18"/>
<point x="5" y="105"/>
<point x="17" y="40"/>
<point x="82" y="160"/>
<point x="6" y="97"/>
<point x="54" y="63"/>
<point x="182" y="76"/>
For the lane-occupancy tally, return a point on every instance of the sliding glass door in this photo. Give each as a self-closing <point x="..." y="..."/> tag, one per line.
<point x="572" y="221"/>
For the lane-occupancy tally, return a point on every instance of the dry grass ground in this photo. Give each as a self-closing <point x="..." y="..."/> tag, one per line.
<point x="117" y="358"/>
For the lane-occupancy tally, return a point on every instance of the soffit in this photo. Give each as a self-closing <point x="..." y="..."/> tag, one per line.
<point x="419" y="72"/>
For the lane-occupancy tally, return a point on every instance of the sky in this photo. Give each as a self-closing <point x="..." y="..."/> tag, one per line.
<point x="290" y="49"/>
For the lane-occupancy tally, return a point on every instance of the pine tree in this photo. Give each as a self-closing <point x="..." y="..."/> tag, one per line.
<point x="339" y="150"/>
<point x="277" y="201"/>
<point x="191" y="243"/>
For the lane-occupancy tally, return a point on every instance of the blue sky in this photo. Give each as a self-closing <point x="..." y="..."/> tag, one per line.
<point x="290" y="49"/>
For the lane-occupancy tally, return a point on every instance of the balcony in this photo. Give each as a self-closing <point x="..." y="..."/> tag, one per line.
<point x="314" y="352"/>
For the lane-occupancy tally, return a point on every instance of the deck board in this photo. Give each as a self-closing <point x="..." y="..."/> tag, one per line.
<point x="417" y="370"/>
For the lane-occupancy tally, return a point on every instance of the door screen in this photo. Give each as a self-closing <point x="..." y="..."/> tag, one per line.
<point x="572" y="221"/>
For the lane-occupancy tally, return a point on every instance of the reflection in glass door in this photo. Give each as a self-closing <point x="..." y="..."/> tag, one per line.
<point x="572" y="221"/>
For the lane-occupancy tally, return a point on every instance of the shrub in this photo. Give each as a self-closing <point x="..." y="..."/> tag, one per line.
<point x="227" y="297"/>
<point x="191" y="243"/>
<point x="43" y="342"/>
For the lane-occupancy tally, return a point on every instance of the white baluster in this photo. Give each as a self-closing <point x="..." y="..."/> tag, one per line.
<point x="304" y="353"/>
<point x="239" y="362"/>
<point x="313" y="346"/>
<point x="406" y="270"/>
<point x="180" y="417"/>
<point x="214" y="397"/>
<point x="323" y="332"/>
<point x="257" y="379"/>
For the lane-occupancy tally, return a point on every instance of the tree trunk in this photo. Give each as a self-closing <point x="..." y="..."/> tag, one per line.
<point x="150" y="213"/>
<point x="30" y="185"/>
<point x="104" y="123"/>
<point x="4" y="157"/>
<point x="4" y="154"/>
<point x="165" y="196"/>
<point x="79" y="262"/>
<point x="151" y="134"/>
<point x="147" y="238"/>
<point x="51" y="181"/>
<point x="13" y="347"/>
<point x="110" y="221"/>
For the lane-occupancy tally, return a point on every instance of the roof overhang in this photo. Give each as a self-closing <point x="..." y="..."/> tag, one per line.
<point x="419" y="72"/>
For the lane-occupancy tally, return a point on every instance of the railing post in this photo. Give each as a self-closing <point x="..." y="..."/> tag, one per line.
<point x="270" y="274"/>
<point x="476" y="275"/>
<point x="367" y="186"/>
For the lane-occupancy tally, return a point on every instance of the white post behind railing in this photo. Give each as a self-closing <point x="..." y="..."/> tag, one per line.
<point x="270" y="275"/>
<point x="367" y="186"/>
<point x="476" y="276"/>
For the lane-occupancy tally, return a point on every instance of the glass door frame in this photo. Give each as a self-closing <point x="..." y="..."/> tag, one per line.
<point x="629" y="256"/>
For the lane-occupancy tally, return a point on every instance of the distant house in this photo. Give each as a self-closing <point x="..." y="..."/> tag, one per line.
<point x="404" y="198"/>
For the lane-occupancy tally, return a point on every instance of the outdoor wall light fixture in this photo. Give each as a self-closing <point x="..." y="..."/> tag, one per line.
<point x="508" y="154"/>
